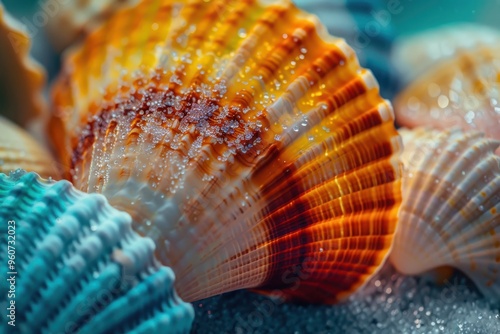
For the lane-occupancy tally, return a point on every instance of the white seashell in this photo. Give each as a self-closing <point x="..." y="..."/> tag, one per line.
<point x="450" y="214"/>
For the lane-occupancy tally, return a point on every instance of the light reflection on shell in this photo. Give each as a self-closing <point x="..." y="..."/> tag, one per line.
<point x="450" y="215"/>
<point x="248" y="142"/>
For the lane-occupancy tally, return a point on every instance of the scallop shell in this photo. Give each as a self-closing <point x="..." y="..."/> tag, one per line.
<point x="450" y="214"/>
<point x="366" y="26"/>
<point x="19" y="150"/>
<point x="22" y="78"/>
<point x="70" y="21"/>
<point x="417" y="54"/>
<point x="462" y="90"/>
<point x="254" y="159"/>
<point x="78" y="266"/>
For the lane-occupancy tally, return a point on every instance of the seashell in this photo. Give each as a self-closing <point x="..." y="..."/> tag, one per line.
<point x="417" y="54"/>
<point x="366" y="26"/>
<point x="21" y="77"/>
<point x="254" y="160"/>
<point x="19" y="150"/>
<point x="451" y="205"/>
<point x="70" y="21"/>
<point x="462" y="90"/>
<point x="78" y="266"/>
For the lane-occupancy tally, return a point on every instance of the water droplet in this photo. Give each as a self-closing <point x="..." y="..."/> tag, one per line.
<point x="443" y="101"/>
<point x="469" y="116"/>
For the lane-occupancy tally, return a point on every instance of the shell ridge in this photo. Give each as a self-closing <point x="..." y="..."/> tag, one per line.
<point x="472" y="180"/>
<point x="466" y="181"/>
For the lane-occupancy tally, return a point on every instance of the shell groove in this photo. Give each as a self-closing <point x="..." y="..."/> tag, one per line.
<point x="450" y="215"/>
<point x="460" y="87"/>
<point x="79" y="265"/>
<point x="19" y="150"/>
<point x="244" y="155"/>
<point x="21" y="77"/>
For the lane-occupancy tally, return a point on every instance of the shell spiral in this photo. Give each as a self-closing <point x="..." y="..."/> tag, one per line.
<point x="245" y="140"/>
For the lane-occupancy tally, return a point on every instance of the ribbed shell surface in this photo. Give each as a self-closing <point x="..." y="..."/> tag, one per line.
<point x="78" y="266"/>
<point x="251" y="145"/>
<point x="450" y="215"/>
<point x="19" y="150"/>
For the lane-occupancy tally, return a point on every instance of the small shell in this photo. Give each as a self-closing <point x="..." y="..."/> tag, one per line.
<point x="19" y="150"/>
<point x="254" y="159"/>
<point x="78" y="265"/>
<point x="459" y="90"/>
<point x="366" y="26"/>
<point x="450" y="214"/>
<point x="73" y="20"/>
<point x="21" y="78"/>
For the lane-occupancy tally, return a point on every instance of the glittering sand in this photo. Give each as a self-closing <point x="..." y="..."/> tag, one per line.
<point x="389" y="303"/>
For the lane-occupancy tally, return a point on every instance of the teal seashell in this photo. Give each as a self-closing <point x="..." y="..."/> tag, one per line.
<point x="78" y="265"/>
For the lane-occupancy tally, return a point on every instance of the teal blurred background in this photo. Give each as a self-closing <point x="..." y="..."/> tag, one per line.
<point x="416" y="15"/>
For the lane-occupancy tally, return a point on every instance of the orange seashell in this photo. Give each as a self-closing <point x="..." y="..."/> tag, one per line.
<point x="460" y="87"/>
<point x="250" y="144"/>
<point x="19" y="150"/>
<point x="450" y="215"/>
<point x="21" y="77"/>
